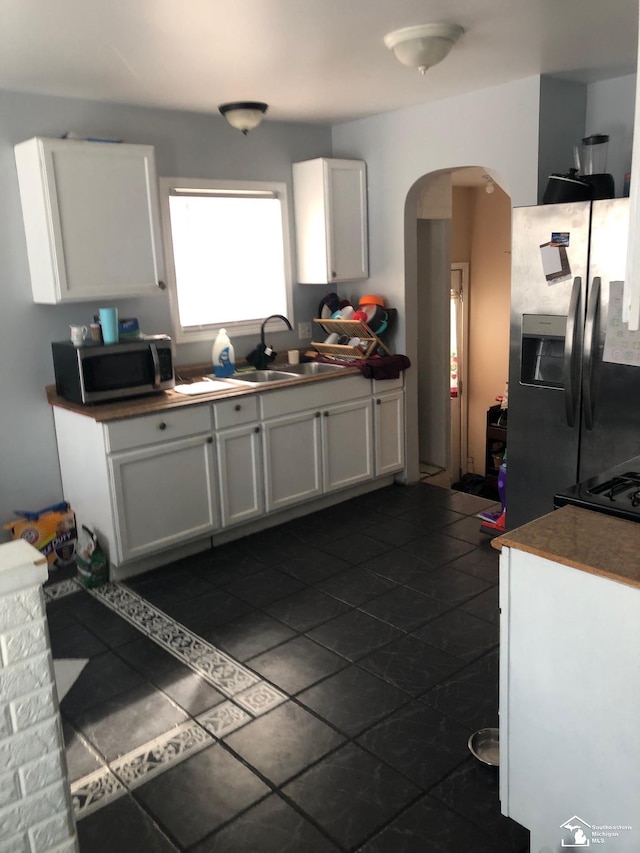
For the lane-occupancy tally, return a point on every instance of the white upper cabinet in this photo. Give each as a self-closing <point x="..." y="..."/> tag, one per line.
<point x="330" y="200"/>
<point x="91" y="219"/>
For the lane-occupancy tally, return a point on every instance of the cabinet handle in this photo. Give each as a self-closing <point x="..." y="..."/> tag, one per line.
<point x="209" y="439"/>
<point x="326" y="414"/>
<point x="162" y="425"/>
<point x="317" y="414"/>
<point x="378" y="402"/>
<point x="237" y="407"/>
<point x="162" y="285"/>
<point x="333" y="274"/>
<point x="257" y="429"/>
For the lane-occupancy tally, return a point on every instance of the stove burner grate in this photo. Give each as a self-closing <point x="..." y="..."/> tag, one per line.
<point x="623" y="486"/>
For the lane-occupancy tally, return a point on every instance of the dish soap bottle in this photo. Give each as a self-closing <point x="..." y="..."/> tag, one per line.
<point x="223" y="356"/>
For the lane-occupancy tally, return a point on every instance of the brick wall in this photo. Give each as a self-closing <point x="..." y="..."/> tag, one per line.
<point x="35" y="807"/>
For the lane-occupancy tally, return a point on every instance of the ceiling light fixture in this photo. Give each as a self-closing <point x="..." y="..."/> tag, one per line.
<point x="489" y="187"/>
<point x="424" y="46"/>
<point x="244" y="115"/>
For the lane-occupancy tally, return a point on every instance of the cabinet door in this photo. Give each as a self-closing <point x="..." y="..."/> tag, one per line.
<point x="330" y="203"/>
<point x="347" y="455"/>
<point x="545" y="769"/>
<point x="91" y="219"/>
<point x="163" y="495"/>
<point x="292" y="469"/>
<point x="240" y="474"/>
<point x="388" y="413"/>
<point x="347" y="219"/>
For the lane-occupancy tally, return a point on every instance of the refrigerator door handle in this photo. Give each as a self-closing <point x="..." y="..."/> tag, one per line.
<point x="590" y="335"/>
<point x="571" y="363"/>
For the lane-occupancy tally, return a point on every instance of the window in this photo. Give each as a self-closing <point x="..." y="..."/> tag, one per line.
<point x="228" y="255"/>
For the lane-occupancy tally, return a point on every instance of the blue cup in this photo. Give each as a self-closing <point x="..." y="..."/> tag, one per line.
<point x="109" y="324"/>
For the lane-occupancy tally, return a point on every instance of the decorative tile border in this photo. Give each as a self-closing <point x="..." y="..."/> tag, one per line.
<point x="154" y="757"/>
<point x="223" y="719"/>
<point x="91" y="792"/>
<point x="101" y="787"/>
<point x="224" y="673"/>
<point x="260" y="698"/>
<point x="61" y="589"/>
<point x="251" y="698"/>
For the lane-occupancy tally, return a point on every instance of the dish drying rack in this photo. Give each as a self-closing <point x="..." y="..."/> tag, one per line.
<point x="354" y="329"/>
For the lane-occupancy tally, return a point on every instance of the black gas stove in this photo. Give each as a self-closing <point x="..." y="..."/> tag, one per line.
<point x="615" y="492"/>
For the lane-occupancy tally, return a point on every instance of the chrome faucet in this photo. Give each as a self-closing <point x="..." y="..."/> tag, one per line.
<point x="263" y="358"/>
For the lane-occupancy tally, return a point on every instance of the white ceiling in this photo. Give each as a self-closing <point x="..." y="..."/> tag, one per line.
<point x="310" y="60"/>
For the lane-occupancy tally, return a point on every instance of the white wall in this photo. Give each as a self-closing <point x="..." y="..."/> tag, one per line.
<point x="187" y="145"/>
<point x="563" y="108"/>
<point x="611" y="109"/>
<point x="494" y="128"/>
<point x="497" y="129"/>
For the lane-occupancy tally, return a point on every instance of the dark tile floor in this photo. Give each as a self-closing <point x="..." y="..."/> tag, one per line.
<point x="378" y="618"/>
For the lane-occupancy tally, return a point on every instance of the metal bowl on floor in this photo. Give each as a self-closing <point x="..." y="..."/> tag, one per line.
<point x="485" y="745"/>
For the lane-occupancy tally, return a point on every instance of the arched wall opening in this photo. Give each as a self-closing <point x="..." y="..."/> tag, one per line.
<point x="451" y="219"/>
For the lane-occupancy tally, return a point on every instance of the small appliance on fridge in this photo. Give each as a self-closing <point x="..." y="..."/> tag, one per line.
<point x="574" y="370"/>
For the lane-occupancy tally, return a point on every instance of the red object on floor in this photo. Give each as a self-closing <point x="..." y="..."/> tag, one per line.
<point x="497" y="524"/>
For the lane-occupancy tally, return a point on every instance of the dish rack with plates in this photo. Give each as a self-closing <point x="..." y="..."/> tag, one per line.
<point x="352" y="329"/>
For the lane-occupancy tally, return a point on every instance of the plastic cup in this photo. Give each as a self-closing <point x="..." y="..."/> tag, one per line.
<point x="109" y="324"/>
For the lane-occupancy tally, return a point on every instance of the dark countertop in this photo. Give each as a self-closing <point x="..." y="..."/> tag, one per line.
<point x="589" y="541"/>
<point x="166" y="400"/>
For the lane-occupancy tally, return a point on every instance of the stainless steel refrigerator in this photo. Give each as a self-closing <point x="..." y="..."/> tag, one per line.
<point x="572" y="414"/>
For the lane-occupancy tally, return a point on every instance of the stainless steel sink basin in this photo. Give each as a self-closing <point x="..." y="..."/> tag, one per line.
<point x="286" y="372"/>
<point x="261" y="376"/>
<point x="311" y="368"/>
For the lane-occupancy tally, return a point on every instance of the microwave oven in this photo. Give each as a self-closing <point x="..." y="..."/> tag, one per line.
<point x="99" y="373"/>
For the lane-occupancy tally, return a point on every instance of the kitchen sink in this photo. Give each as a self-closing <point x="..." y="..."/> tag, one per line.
<point x="261" y="376"/>
<point x="311" y="368"/>
<point x="286" y="372"/>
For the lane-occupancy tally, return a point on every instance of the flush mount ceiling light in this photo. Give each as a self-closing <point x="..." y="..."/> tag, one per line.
<point x="424" y="46"/>
<point x="244" y="115"/>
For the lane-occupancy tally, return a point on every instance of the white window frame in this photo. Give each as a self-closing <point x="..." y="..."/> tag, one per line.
<point x="250" y="326"/>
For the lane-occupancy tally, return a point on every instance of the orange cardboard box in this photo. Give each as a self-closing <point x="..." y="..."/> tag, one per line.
<point x="51" y="530"/>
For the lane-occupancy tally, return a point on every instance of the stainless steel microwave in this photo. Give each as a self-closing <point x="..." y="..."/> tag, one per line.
<point x="99" y="373"/>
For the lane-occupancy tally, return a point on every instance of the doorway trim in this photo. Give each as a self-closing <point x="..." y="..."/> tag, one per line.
<point x="462" y="268"/>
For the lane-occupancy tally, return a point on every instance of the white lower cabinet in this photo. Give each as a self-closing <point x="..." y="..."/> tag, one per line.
<point x="321" y="442"/>
<point x="241" y="482"/>
<point x="388" y="416"/>
<point x="347" y="455"/>
<point x="141" y="484"/>
<point x="146" y="484"/>
<point x="163" y="495"/>
<point x="312" y="453"/>
<point x="239" y="457"/>
<point x="292" y="460"/>
<point x="569" y="688"/>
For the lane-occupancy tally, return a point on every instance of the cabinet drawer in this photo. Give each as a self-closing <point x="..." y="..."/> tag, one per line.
<point x="382" y="385"/>
<point x="153" y="429"/>
<point x="315" y="396"/>
<point x="228" y="413"/>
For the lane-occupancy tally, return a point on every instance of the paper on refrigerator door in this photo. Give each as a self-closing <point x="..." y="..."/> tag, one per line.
<point x="555" y="263"/>
<point x="621" y="346"/>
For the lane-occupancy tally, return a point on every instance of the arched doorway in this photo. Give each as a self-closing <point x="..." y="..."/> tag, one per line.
<point x="450" y="219"/>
